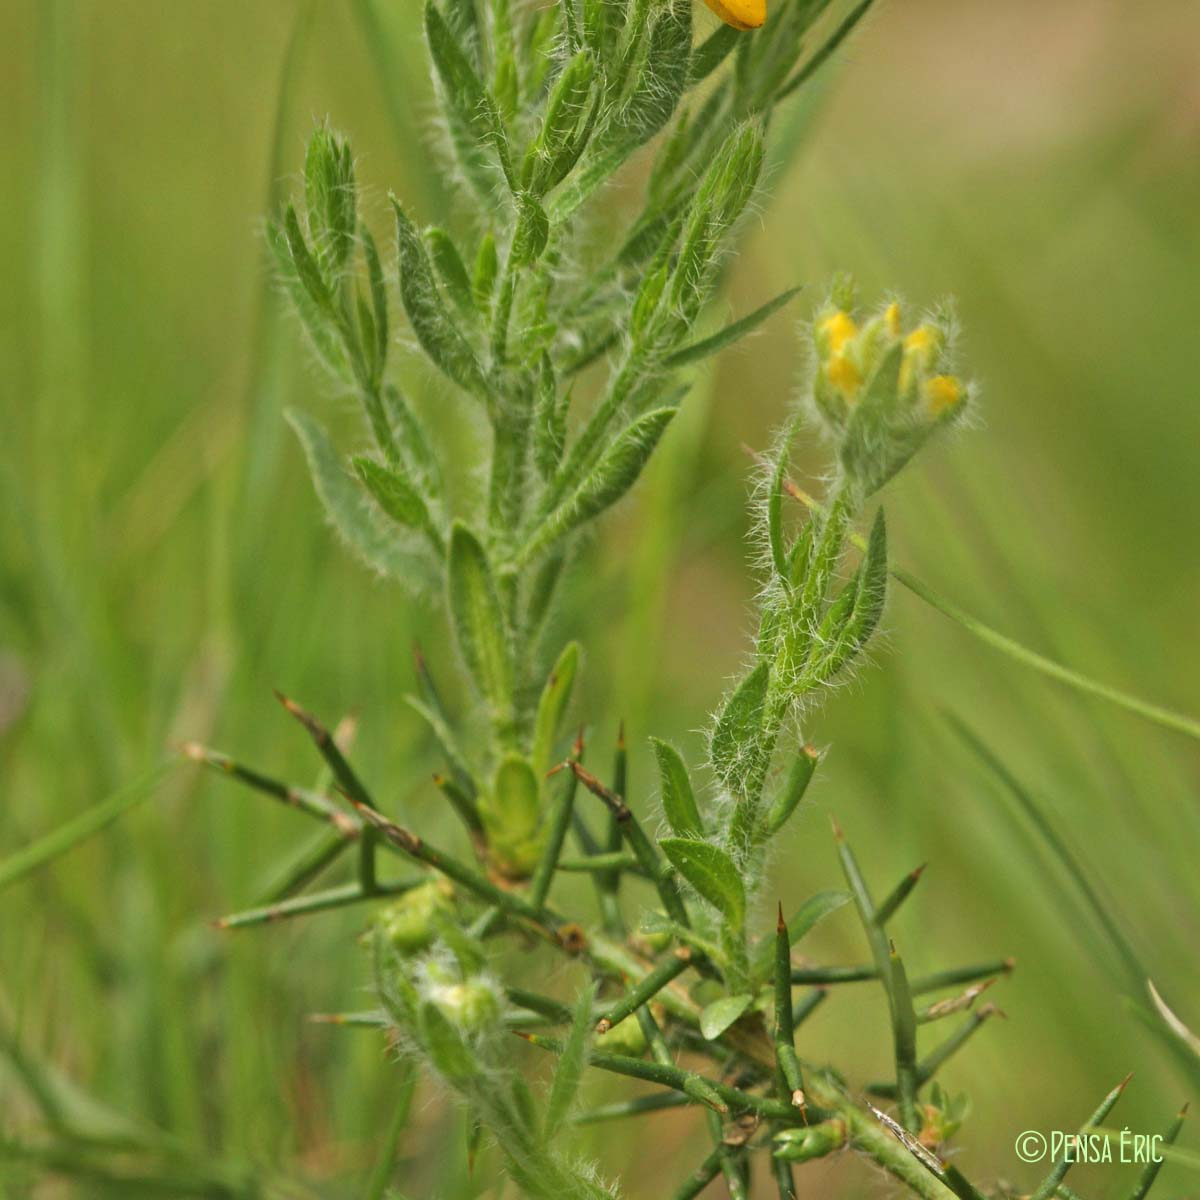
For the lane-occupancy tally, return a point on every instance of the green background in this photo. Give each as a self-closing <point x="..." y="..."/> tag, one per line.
<point x="163" y="563"/>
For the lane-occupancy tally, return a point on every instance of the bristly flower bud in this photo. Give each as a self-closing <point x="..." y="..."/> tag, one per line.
<point x="409" y="924"/>
<point x="813" y="1141"/>
<point x="879" y="391"/>
<point x="330" y="198"/>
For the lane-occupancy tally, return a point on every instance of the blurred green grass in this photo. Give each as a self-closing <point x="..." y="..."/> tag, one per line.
<point x="163" y="564"/>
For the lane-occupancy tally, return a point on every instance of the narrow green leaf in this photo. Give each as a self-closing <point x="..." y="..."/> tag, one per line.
<point x="735" y="738"/>
<point x="451" y="271"/>
<point x="730" y="334"/>
<point x="399" y="498"/>
<point x="678" y="799"/>
<point x="571" y="1063"/>
<point x="470" y="111"/>
<point x="365" y="530"/>
<point x="549" y="421"/>
<point x="90" y="822"/>
<point x="799" y="777"/>
<point x="720" y="1014"/>
<point x="608" y="481"/>
<point x="378" y="295"/>
<point x="479" y="623"/>
<point x="551" y="707"/>
<point x="437" y="332"/>
<point x="712" y="873"/>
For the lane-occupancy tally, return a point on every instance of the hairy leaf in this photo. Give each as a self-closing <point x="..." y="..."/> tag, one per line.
<point x="712" y="873"/>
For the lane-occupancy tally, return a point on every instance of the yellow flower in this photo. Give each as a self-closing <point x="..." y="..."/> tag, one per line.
<point x="741" y="14"/>
<point x="839" y="328"/>
<point x="919" y="348"/>
<point x="843" y="375"/>
<point x="942" y="392"/>
<point x="891" y="318"/>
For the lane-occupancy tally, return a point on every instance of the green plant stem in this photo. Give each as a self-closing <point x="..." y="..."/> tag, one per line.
<point x="929" y="1066"/>
<point x="314" y="902"/>
<point x="653" y="982"/>
<point x="901" y="892"/>
<point x="870" y="1138"/>
<point x="655" y="1102"/>
<point x="678" y="1080"/>
<point x="560" y="820"/>
<point x="1050" y="1184"/>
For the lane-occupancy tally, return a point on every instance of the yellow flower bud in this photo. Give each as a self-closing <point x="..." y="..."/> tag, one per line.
<point x="741" y="14"/>
<point x="942" y="393"/>
<point x="838" y="329"/>
<point x="920" y="347"/>
<point x="843" y="375"/>
<point x="891" y="318"/>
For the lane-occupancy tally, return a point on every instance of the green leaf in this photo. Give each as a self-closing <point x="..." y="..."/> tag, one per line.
<point x="845" y="634"/>
<point x="799" y="777"/>
<point x="571" y="1063"/>
<point x="678" y="799"/>
<point x="734" y="747"/>
<point x="661" y="81"/>
<point x="712" y="873"/>
<point x="814" y="909"/>
<point x="378" y="296"/>
<point x="730" y="334"/>
<point x="323" y="334"/>
<point x="555" y="145"/>
<point x="479" y="623"/>
<point x="451" y="271"/>
<point x="483" y="278"/>
<point x="444" y="736"/>
<point x="609" y="480"/>
<point x="399" y="498"/>
<point x="437" y="332"/>
<point x="364" y="529"/>
<point x="533" y="231"/>
<point x="552" y="706"/>
<point x="90" y="822"/>
<point x="549" y="421"/>
<point x="470" y="111"/>
<point x="720" y="1014"/>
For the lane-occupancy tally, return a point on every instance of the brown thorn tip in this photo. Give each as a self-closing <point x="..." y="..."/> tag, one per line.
<point x="1010" y="965"/>
<point x="603" y="1025"/>
<point x="577" y="748"/>
<point x="918" y="872"/>
<point x="555" y="769"/>
<point x="621" y="734"/>
<point x="812" y="751"/>
<point x="1183" y="1112"/>
<point x="220" y="923"/>
<point x="525" y="1037"/>
<point x="193" y="750"/>
<point x="837" y="829"/>
<point x="798" y="1100"/>
<point x="418" y="655"/>
<point x="780" y="924"/>
<point x="1122" y="1085"/>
